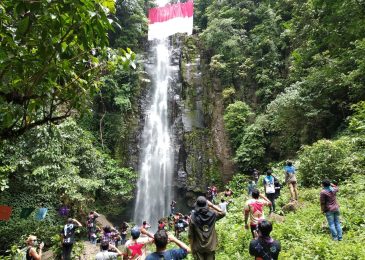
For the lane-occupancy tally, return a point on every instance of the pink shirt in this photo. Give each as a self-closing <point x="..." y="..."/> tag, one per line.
<point x="255" y="208"/>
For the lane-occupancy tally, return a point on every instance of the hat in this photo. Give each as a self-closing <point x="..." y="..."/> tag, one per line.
<point x="201" y="203"/>
<point x="135" y="232"/>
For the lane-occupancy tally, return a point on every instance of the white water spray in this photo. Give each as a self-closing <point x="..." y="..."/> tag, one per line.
<point x="155" y="172"/>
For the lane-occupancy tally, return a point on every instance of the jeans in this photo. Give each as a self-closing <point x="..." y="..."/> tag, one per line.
<point x="333" y="218"/>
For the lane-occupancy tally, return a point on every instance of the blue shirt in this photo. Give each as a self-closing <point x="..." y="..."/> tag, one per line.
<point x="289" y="169"/>
<point x="173" y="254"/>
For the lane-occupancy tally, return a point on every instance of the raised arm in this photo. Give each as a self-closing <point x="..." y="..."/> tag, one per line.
<point x="77" y="222"/>
<point x="34" y="254"/>
<point x="179" y="243"/>
<point x="145" y="232"/>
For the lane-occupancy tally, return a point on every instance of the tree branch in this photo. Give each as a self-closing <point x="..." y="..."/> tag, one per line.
<point x="8" y="133"/>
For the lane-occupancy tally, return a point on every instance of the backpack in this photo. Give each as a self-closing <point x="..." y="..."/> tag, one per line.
<point x="68" y="232"/>
<point x="269" y="185"/>
<point x="277" y="186"/>
<point x="21" y="254"/>
<point x="266" y="249"/>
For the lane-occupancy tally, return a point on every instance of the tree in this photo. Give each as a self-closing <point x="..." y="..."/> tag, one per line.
<point x="236" y="120"/>
<point x="52" y="54"/>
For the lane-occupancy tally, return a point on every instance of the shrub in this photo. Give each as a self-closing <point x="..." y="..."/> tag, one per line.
<point x="335" y="160"/>
<point x="235" y="120"/>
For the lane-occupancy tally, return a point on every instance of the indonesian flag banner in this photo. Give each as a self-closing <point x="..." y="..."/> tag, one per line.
<point x="170" y="19"/>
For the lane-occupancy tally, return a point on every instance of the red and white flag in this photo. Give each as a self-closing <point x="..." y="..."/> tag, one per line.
<point x="170" y="19"/>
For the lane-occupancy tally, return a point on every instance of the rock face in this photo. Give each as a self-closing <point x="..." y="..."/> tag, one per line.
<point x="202" y="151"/>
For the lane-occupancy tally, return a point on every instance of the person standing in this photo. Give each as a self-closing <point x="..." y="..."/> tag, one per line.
<point x="91" y="226"/>
<point x="254" y="210"/>
<point x="291" y="180"/>
<point x="330" y="208"/>
<point x="214" y="192"/>
<point x="223" y="205"/>
<point x="144" y="229"/>
<point x="269" y="187"/>
<point x="161" y="238"/>
<point x="255" y="175"/>
<point x="263" y="247"/>
<point x="202" y="234"/>
<point x="31" y="253"/>
<point x="172" y="207"/>
<point x="123" y="232"/>
<point x="68" y="237"/>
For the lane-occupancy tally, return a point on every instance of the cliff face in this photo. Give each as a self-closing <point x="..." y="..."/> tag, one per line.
<point x="203" y="153"/>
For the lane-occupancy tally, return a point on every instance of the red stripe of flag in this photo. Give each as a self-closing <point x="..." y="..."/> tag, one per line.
<point x="163" y="14"/>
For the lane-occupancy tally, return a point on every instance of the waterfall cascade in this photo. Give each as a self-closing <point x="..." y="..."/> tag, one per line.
<point x="156" y="158"/>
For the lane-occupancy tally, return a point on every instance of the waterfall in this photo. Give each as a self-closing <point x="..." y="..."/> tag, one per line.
<point x="155" y="170"/>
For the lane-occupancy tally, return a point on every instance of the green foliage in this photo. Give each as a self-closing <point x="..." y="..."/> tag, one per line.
<point x="283" y="62"/>
<point x="335" y="160"/>
<point x="357" y="121"/>
<point x="303" y="234"/>
<point x="130" y="29"/>
<point x="251" y="151"/>
<point x="52" y="55"/>
<point x="235" y="119"/>
<point x="58" y="166"/>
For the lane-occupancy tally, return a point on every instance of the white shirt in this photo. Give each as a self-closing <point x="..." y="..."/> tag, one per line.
<point x="106" y="255"/>
<point x="223" y="206"/>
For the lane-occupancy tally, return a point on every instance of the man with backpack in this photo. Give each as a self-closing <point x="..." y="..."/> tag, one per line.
<point x="161" y="238"/>
<point x="68" y="237"/>
<point x="263" y="247"/>
<point x="271" y="187"/>
<point x="202" y="233"/>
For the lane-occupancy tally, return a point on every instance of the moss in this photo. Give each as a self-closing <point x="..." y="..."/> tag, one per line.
<point x="201" y="163"/>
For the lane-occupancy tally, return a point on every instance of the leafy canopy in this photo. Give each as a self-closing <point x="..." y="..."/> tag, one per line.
<point x="52" y="54"/>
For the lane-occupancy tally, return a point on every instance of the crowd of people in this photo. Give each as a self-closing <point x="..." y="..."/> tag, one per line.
<point x="199" y="225"/>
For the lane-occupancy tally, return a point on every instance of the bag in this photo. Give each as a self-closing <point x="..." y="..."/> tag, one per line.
<point x="21" y="254"/>
<point x="277" y="186"/>
<point x="269" y="185"/>
<point x="68" y="232"/>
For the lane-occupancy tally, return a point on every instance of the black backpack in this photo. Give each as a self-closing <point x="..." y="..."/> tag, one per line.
<point x="278" y="187"/>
